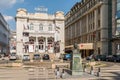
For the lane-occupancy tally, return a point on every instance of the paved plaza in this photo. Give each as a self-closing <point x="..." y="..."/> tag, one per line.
<point x="35" y="74"/>
<point x="109" y="72"/>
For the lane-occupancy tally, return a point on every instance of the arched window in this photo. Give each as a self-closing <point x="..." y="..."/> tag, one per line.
<point x="41" y="27"/>
<point x="31" y="26"/>
<point x="50" y="27"/>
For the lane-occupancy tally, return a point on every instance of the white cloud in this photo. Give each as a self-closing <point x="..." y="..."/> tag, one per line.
<point x="8" y="3"/>
<point x="8" y="18"/>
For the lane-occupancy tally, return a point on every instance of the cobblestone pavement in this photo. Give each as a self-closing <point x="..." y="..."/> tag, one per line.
<point x="35" y="74"/>
<point x="110" y="72"/>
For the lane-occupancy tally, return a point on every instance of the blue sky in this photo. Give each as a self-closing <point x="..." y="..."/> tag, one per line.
<point x="8" y="8"/>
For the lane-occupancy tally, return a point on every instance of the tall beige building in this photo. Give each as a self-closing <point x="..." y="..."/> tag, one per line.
<point x="89" y="24"/>
<point x="39" y="32"/>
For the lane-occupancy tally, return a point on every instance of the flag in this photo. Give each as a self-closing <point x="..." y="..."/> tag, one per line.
<point x="27" y="26"/>
<point x="24" y="27"/>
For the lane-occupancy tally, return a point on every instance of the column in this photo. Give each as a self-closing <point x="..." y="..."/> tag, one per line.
<point x="104" y="29"/>
<point x="36" y="45"/>
<point x="46" y="44"/>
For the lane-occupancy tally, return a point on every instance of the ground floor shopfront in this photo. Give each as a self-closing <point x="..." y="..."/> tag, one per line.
<point x="88" y="49"/>
<point x="116" y="46"/>
<point x="38" y="45"/>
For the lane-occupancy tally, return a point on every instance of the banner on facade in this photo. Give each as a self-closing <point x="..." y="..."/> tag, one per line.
<point x="31" y="48"/>
<point x="26" y="39"/>
<point x="86" y="46"/>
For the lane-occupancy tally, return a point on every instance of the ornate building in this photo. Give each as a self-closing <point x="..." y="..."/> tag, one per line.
<point x="39" y="32"/>
<point x="89" y="24"/>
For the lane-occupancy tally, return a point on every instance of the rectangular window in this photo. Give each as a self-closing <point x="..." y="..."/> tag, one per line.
<point x="49" y="28"/>
<point x="99" y="23"/>
<point x="40" y="28"/>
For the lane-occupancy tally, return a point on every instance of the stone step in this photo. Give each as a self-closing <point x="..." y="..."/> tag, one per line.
<point x="109" y="78"/>
<point x="110" y="70"/>
<point x="112" y="74"/>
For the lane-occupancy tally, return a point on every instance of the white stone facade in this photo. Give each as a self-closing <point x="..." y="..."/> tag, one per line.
<point x="39" y="32"/>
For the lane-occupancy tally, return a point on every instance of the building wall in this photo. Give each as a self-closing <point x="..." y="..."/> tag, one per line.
<point x="87" y="22"/>
<point x="46" y="31"/>
<point x="12" y="42"/>
<point x="116" y="26"/>
<point x="4" y="36"/>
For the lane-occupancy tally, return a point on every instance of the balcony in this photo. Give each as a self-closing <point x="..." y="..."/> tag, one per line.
<point x="39" y="32"/>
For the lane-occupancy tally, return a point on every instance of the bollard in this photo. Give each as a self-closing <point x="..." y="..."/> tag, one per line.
<point x="84" y="68"/>
<point x="57" y="73"/>
<point x="98" y="73"/>
<point x="99" y="69"/>
<point x="91" y="71"/>
<point x="63" y="74"/>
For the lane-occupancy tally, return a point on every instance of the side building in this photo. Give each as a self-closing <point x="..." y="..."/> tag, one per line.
<point x="39" y="33"/>
<point x="4" y="36"/>
<point x="89" y="24"/>
<point x="12" y="42"/>
<point x="116" y="27"/>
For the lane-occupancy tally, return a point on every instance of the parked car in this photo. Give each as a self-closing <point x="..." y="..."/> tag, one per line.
<point x="12" y="56"/>
<point x="111" y="58"/>
<point x="67" y="56"/>
<point x="26" y="58"/>
<point x="116" y="58"/>
<point x="46" y="57"/>
<point x="36" y="57"/>
<point x="100" y="57"/>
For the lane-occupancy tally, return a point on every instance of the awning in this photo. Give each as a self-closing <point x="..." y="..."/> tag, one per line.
<point x="68" y="49"/>
<point x="71" y="46"/>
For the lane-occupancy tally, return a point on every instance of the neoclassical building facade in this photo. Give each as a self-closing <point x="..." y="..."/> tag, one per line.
<point x="89" y="24"/>
<point x="39" y="32"/>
